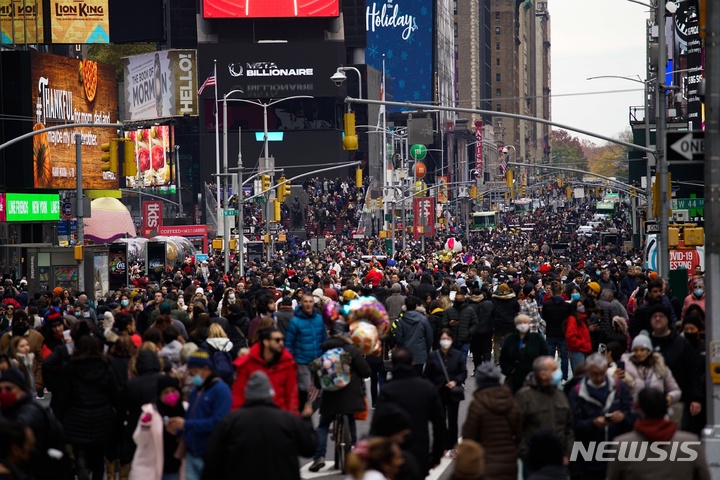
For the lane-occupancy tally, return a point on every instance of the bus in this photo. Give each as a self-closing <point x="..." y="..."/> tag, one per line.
<point x="523" y="205"/>
<point x="605" y="208"/>
<point x="484" y="220"/>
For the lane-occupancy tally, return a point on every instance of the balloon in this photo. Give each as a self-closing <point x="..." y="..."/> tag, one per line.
<point x="365" y="337"/>
<point x="368" y="309"/>
<point x="453" y="245"/>
<point x="331" y="312"/>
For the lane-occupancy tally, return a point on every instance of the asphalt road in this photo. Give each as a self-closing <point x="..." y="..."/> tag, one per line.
<point x="441" y="472"/>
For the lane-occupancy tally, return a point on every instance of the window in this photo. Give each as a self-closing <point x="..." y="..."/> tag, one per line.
<point x="497" y="46"/>
<point x="498" y="107"/>
<point x="497" y="30"/>
<point x="497" y="15"/>
<point x="454" y="7"/>
<point x="497" y="77"/>
<point x="455" y="28"/>
<point x="497" y="92"/>
<point x="497" y="62"/>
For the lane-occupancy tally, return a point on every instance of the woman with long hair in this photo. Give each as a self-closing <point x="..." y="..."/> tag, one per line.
<point x="91" y="397"/>
<point x="199" y="328"/>
<point x="376" y="459"/>
<point x="228" y="299"/>
<point x="577" y="334"/>
<point x="23" y="359"/>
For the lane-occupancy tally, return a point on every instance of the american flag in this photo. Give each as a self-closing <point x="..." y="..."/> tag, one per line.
<point x="207" y="83"/>
<point x="504" y="163"/>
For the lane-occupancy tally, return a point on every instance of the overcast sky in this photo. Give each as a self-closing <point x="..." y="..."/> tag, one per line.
<point x="591" y="38"/>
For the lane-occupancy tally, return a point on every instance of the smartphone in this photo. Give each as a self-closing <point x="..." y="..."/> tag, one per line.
<point x="620" y="364"/>
<point x="66" y="335"/>
<point x="608" y="416"/>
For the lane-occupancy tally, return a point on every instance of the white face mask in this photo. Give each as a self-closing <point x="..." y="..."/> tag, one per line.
<point x="523" y="327"/>
<point x="445" y="344"/>
<point x="231" y="297"/>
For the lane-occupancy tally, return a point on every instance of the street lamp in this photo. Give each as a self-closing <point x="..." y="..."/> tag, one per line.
<point x="265" y="154"/>
<point x="339" y="78"/>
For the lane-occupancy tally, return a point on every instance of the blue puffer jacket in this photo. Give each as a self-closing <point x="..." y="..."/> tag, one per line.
<point x="208" y="405"/>
<point x="305" y="335"/>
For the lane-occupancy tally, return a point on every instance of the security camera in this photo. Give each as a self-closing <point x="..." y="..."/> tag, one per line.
<point x="338" y="77"/>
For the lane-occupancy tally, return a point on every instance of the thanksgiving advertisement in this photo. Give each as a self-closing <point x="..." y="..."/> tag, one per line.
<point x="67" y="91"/>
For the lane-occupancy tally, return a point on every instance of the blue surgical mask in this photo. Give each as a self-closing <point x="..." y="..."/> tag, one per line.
<point x="197" y="380"/>
<point x="556" y="377"/>
<point x="597" y="272"/>
<point x="698" y="292"/>
<point x="575" y="296"/>
<point x="125" y="303"/>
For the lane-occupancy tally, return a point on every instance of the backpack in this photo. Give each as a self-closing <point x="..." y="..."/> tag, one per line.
<point x="333" y="369"/>
<point x="223" y="363"/>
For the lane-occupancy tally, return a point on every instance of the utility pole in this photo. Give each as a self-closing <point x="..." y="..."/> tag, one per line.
<point x="712" y="223"/>
<point x="662" y="165"/>
<point x="80" y="212"/>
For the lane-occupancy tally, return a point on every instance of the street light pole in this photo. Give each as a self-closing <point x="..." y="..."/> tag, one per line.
<point x="80" y="210"/>
<point x="662" y="165"/>
<point x="225" y="220"/>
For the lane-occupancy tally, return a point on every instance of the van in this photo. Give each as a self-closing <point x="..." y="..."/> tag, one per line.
<point x="586" y="230"/>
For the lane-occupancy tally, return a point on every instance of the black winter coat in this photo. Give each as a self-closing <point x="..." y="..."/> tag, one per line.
<point x="350" y="399"/>
<point x="484" y="312"/>
<point x="506" y="309"/>
<point x="516" y="360"/>
<point x="555" y="311"/>
<point x="138" y="391"/>
<point x="419" y="398"/>
<point x="91" y="395"/>
<point x="261" y="441"/>
<point x="466" y="327"/>
<point x="454" y="364"/>
<point x="681" y="359"/>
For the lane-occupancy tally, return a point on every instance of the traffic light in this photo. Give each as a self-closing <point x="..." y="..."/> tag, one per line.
<point x="276" y="211"/>
<point x="509" y="178"/>
<point x="129" y="164"/>
<point x="379" y="202"/>
<point x="287" y="189"/>
<point x="281" y="189"/>
<point x="358" y="178"/>
<point x="523" y="191"/>
<point x="673" y="237"/>
<point x="473" y="192"/>
<point x="265" y="182"/>
<point x="656" y="195"/>
<point x="110" y="157"/>
<point x="694" y="236"/>
<point x="350" y="140"/>
<point x="568" y="192"/>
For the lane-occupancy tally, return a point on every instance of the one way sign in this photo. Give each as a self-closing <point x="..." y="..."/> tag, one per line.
<point x="685" y="146"/>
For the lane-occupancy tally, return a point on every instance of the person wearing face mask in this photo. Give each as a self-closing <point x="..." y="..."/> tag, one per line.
<point x="229" y="298"/>
<point x="520" y="351"/>
<point x="577" y="334"/>
<point x="462" y="321"/>
<point x="154" y="458"/>
<point x="645" y="368"/>
<point x="20" y="327"/>
<point x="544" y="407"/>
<point x="696" y="297"/>
<point x="602" y="409"/>
<point x="693" y="327"/>
<point x="209" y="402"/>
<point x="446" y="369"/>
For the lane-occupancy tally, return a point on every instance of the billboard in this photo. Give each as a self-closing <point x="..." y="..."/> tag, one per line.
<point x="160" y="84"/>
<point x="156" y="259"/>
<point x="152" y="218"/>
<point x="21" y="22"/>
<point x="117" y="271"/>
<point x="80" y="21"/>
<point x="272" y="70"/>
<point x="424" y="215"/>
<point x="66" y="91"/>
<point x="270" y="9"/>
<point x="29" y="207"/>
<point x="402" y="30"/>
<point x="153" y="147"/>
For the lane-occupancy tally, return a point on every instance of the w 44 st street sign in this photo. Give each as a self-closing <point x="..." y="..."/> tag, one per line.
<point x="685" y="146"/>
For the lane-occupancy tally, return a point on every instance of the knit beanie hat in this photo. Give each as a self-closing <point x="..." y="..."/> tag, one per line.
<point x="199" y="359"/>
<point x="470" y="461"/>
<point x="642" y="341"/>
<point x="15" y="376"/>
<point x="487" y="371"/>
<point x="167" y="381"/>
<point x="503" y="288"/>
<point x="258" y="388"/>
<point x="594" y="286"/>
<point x="389" y="419"/>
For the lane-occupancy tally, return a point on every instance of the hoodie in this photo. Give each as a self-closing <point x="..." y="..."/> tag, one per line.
<point x="656" y="429"/>
<point x="415" y="334"/>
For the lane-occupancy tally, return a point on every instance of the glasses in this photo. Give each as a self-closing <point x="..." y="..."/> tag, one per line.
<point x="278" y="339"/>
<point x="10" y="309"/>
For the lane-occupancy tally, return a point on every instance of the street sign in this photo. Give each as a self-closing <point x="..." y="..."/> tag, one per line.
<point x="275" y="227"/>
<point x="229" y="212"/>
<point x="234" y="231"/>
<point x="687" y="203"/>
<point x="247" y="230"/>
<point x="685" y="146"/>
<point x="67" y="210"/>
<point x="651" y="227"/>
<point x="418" y="151"/>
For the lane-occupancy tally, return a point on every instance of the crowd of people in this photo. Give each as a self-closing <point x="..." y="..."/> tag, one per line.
<point x="204" y="372"/>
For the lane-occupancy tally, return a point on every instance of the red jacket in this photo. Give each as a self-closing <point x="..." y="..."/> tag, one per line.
<point x="577" y="336"/>
<point x="282" y="375"/>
